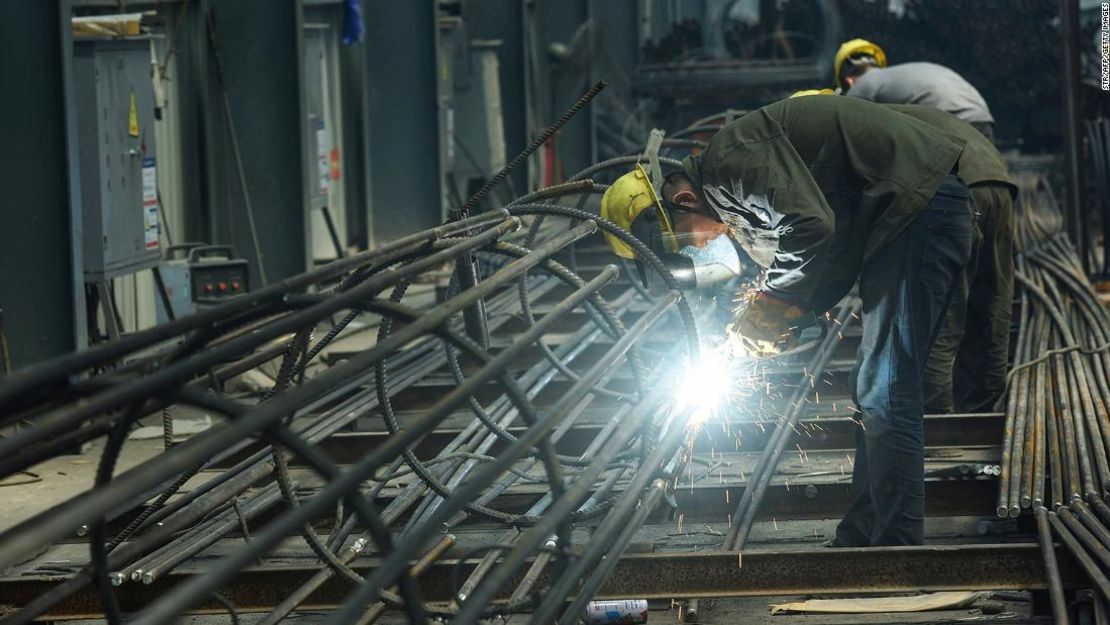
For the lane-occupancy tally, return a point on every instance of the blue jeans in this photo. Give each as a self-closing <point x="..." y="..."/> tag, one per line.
<point x="905" y="290"/>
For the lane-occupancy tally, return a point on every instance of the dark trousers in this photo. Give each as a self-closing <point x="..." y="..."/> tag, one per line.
<point x="905" y="291"/>
<point x="967" y="366"/>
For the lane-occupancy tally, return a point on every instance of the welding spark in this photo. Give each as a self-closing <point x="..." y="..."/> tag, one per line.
<point x="708" y="385"/>
<point x="703" y="387"/>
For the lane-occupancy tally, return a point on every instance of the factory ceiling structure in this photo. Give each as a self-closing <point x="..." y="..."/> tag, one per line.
<point x="357" y="311"/>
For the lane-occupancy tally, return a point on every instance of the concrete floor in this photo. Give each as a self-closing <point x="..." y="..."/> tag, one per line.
<point x="63" y="477"/>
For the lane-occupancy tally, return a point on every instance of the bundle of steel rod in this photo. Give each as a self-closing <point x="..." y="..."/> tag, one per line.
<point x="1083" y="530"/>
<point x="1057" y="431"/>
<point x="391" y="507"/>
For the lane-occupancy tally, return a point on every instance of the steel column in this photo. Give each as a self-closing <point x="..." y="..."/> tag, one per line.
<point x="500" y="20"/>
<point x="262" y="63"/>
<point x="41" y="287"/>
<point x="403" y="165"/>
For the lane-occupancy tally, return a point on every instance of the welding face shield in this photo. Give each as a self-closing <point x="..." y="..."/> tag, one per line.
<point x="707" y="250"/>
<point x="714" y="263"/>
<point x="633" y="203"/>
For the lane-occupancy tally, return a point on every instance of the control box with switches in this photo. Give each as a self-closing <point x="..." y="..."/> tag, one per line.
<point x="114" y="104"/>
<point x="198" y="275"/>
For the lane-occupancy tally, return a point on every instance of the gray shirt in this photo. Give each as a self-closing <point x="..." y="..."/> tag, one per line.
<point x="923" y="83"/>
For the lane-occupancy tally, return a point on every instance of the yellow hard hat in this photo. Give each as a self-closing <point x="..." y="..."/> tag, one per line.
<point x="628" y="200"/>
<point x="805" y="92"/>
<point x="852" y="48"/>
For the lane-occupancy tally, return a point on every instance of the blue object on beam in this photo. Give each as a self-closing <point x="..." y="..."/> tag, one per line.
<point x="352" y="22"/>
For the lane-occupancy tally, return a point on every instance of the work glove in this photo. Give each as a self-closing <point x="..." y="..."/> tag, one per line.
<point x="765" y="327"/>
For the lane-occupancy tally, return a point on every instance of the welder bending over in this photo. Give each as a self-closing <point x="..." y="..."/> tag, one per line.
<point x="824" y="192"/>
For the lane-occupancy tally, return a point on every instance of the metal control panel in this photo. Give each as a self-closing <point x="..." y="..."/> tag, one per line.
<point x="115" y="120"/>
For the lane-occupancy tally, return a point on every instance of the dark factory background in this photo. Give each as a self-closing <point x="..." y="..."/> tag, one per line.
<point x="336" y="131"/>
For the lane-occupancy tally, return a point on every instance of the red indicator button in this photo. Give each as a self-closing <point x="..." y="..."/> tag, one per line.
<point x="223" y="286"/>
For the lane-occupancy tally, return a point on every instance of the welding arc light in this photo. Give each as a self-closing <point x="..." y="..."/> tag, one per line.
<point x="703" y="387"/>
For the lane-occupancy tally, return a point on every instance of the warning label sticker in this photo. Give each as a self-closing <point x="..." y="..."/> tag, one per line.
<point x="133" y="118"/>
<point x="150" y="203"/>
<point x="323" y="165"/>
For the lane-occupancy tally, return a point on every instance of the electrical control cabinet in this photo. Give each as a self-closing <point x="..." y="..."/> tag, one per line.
<point x="114" y="101"/>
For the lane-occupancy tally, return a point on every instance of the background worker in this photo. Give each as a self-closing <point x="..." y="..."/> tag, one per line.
<point x="967" y="366"/>
<point x="861" y="71"/>
<point x="823" y="192"/>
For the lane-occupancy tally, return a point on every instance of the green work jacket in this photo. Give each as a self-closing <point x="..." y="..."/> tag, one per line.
<point x="825" y="182"/>
<point x="980" y="161"/>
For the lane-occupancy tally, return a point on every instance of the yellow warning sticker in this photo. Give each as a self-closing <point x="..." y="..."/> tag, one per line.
<point x="133" y="119"/>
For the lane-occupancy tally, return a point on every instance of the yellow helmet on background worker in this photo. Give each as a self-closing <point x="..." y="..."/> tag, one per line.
<point x="805" y="92"/>
<point x="632" y="203"/>
<point x="856" y="47"/>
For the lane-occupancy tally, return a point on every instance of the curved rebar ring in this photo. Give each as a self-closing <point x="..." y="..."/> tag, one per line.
<point x="294" y="360"/>
<point x="385" y="403"/>
<point x="271" y="422"/>
<point x="289" y="368"/>
<point x="99" y="545"/>
<point x="516" y="396"/>
<point x="595" y="300"/>
<point x="391" y="564"/>
<point x="573" y="265"/>
<point x="613" y="162"/>
<point x="551" y="357"/>
<point x="597" y="304"/>
<point x="281" y="435"/>
<point x="387" y="407"/>
<point x="105" y="470"/>
<point x="643" y="252"/>
<point x="573" y="187"/>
